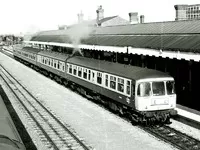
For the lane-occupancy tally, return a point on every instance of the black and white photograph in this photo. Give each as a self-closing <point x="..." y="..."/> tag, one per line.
<point x="100" y="75"/>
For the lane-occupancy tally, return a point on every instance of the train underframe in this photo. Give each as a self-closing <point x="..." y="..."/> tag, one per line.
<point x="130" y="114"/>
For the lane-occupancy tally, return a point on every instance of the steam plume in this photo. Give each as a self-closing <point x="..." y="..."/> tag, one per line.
<point x="77" y="33"/>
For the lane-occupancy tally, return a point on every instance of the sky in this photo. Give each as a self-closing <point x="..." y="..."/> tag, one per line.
<point x="29" y="16"/>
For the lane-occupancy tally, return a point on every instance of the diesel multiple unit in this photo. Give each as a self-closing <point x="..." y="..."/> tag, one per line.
<point x="144" y="95"/>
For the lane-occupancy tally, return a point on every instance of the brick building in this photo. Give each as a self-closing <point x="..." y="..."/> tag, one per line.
<point x="187" y="12"/>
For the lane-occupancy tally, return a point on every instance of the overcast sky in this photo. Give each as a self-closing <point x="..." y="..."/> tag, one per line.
<point x="33" y="15"/>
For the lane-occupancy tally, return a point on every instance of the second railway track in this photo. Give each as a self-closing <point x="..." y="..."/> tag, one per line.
<point x="174" y="137"/>
<point x="54" y="133"/>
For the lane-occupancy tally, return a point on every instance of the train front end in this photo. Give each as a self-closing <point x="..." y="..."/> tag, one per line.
<point x="155" y="99"/>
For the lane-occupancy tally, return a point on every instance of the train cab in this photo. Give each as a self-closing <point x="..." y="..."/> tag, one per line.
<point x="155" y="94"/>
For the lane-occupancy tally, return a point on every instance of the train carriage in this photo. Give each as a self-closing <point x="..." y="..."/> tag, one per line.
<point x="27" y="54"/>
<point x="52" y="62"/>
<point x="142" y="89"/>
<point x="143" y="93"/>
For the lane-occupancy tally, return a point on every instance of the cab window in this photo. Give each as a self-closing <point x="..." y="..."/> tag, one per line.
<point x="170" y="87"/>
<point x="144" y="89"/>
<point x="158" y="88"/>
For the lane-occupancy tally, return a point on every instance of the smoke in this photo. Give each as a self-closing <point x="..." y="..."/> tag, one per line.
<point x="31" y="31"/>
<point x="77" y="33"/>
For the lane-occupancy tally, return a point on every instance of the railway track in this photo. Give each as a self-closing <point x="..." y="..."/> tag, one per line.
<point x="172" y="136"/>
<point x="52" y="131"/>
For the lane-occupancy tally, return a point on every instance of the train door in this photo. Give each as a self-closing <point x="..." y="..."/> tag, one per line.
<point x="93" y="76"/>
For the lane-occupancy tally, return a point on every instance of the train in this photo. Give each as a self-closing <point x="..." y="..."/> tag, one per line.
<point x="9" y="136"/>
<point x="145" y="96"/>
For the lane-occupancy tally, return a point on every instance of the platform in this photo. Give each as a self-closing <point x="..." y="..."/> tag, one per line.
<point x="188" y="116"/>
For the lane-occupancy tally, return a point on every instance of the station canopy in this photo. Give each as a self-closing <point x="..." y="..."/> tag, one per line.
<point x="172" y="35"/>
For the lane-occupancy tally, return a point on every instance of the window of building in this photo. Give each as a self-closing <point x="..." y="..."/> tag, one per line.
<point x="70" y="68"/>
<point x="120" y="85"/>
<point x="106" y="80"/>
<point x="99" y="77"/>
<point x="74" y="69"/>
<point x="54" y="64"/>
<point x="85" y="73"/>
<point x="80" y="71"/>
<point x="112" y="82"/>
<point x="49" y="61"/>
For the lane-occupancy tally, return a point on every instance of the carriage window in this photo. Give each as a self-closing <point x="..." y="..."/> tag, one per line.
<point x="170" y="87"/>
<point x="63" y="67"/>
<point x="144" y="89"/>
<point x="79" y="71"/>
<point x="112" y="82"/>
<point x="128" y="87"/>
<point x="158" y="88"/>
<point x="106" y="80"/>
<point x="99" y="77"/>
<point x="47" y="61"/>
<point x="70" y="68"/>
<point x="58" y="65"/>
<point x="85" y="73"/>
<point x="74" y="70"/>
<point x="89" y="74"/>
<point x="120" y="85"/>
<point x="52" y="62"/>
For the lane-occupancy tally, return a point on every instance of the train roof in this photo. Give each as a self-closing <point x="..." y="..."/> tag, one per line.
<point x="128" y="71"/>
<point x="31" y="50"/>
<point x="56" y="55"/>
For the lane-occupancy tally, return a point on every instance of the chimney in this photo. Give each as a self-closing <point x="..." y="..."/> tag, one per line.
<point x="133" y="17"/>
<point x="80" y="17"/>
<point x="141" y="18"/>
<point x="100" y="12"/>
